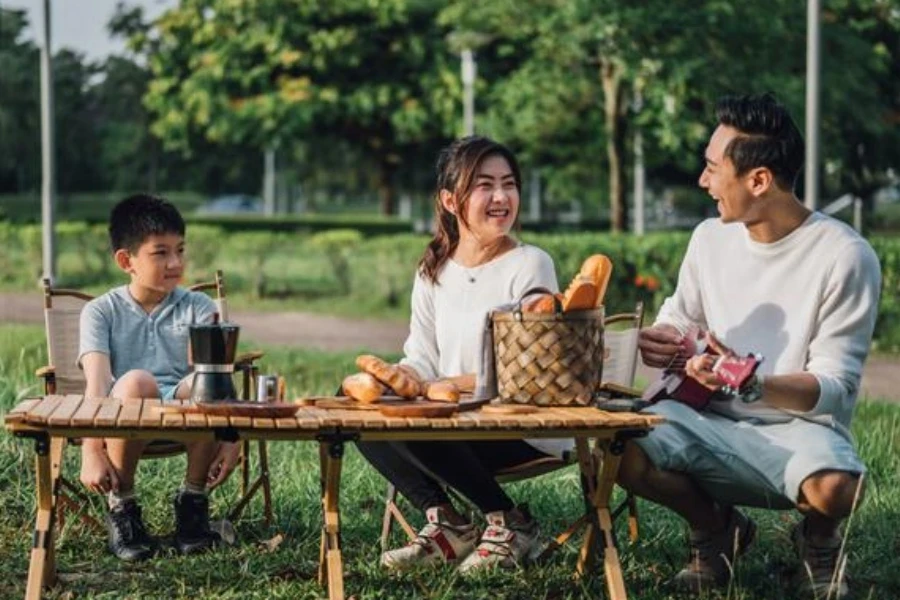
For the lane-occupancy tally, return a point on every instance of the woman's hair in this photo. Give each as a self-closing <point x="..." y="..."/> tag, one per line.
<point x="457" y="167"/>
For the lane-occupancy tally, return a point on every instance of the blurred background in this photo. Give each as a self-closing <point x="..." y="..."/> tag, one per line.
<point x="298" y="136"/>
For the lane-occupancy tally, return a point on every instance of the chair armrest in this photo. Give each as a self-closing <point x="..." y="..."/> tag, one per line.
<point x="614" y="390"/>
<point x="45" y="371"/>
<point x="246" y="359"/>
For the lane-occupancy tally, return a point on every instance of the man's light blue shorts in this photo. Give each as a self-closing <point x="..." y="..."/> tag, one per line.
<point x="737" y="462"/>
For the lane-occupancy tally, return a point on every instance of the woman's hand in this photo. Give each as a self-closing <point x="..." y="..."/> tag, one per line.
<point x="223" y="464"/>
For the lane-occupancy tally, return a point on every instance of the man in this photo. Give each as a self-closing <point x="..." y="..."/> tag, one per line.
<point x="770" y="277"/>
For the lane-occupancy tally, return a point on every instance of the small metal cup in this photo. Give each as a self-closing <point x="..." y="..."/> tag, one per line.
<point x="267" y="388"/>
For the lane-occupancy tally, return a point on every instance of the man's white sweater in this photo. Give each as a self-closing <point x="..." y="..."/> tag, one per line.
<point x="806" y="302"/>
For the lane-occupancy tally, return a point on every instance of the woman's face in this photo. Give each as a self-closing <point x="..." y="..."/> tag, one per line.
<point x="493" y="202"/>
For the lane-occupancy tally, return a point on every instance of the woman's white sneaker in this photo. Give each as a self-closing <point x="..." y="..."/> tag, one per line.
<point x="438" y="542"/>
<point x="506" y="543"/>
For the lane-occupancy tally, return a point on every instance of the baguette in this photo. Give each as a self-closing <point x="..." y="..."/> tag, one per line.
<point x="598" y="268"/>
<point x="362" y="387"/>
<point x="396" y="378"/>
<point x="581" y="294"/>
<point x="442" y="391"/>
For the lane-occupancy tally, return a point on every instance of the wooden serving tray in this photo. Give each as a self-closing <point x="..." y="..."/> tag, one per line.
<point x="236" y="408"/>
<point x="417" y="408"/>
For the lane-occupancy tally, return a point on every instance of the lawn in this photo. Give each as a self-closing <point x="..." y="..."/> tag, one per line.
<point x="260" y="567"/>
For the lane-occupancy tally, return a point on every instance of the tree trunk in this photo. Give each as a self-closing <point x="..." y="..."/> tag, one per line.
<point x="386" y="192"/>
<point x="611" y="78"/>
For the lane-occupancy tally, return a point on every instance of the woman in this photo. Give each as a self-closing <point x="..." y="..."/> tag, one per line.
<point x="472" y="265"/>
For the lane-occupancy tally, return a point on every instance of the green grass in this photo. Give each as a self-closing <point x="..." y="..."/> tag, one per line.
<point x="250" y="570"/>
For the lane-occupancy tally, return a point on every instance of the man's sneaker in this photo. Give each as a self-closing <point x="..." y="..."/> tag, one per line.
<point x="128" y="538"/>
<point x="821" y="573"/>
<point x="506" y="543"/>
<point x="713" y="554"/>
<point x="438" y="542"/>
<point x="192" y="532"/>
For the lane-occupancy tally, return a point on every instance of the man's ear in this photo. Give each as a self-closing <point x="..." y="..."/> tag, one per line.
<point x="759" y="181"/>
<point x="123" y="259"/>
<point x="447" y="201"/>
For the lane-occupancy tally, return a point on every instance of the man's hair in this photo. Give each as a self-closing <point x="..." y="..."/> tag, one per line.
<point x="137" y="217"/>
<point x="768" y="137"/>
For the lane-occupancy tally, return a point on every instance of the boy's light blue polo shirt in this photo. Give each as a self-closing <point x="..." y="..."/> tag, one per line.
<point x="116" y="325"/>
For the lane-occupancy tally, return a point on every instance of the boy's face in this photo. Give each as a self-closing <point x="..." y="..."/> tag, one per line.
<point x="158" y="264"/>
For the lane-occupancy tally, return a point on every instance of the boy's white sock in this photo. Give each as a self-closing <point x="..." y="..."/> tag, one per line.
<point x="189" y="488"/>
<point x="116" y="499"/>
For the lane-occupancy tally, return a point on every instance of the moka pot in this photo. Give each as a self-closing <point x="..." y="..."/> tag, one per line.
<point x="213" y="348"/>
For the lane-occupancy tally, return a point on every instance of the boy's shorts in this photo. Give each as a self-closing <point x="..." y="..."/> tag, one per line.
<point x="167" y="391"/>
<point x="737" y="462"/>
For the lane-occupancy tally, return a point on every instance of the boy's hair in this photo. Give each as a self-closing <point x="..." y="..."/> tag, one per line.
<point x="137" y="217"/>
<point x="770" y="138"/>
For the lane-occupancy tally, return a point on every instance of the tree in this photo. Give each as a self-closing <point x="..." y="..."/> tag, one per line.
<point x="19" y="108"/>
<point x="375" y="74"/>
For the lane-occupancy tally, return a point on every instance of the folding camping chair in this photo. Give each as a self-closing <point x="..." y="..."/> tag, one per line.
<point x="619" y="365"/>
<point x="62" y="311"/>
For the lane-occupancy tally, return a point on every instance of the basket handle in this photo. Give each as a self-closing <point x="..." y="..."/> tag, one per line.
<point x="557" y="305"/>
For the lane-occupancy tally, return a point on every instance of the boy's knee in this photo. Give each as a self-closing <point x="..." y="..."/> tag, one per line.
<point x="832" y="493"/>
<point x="136" y="383"/>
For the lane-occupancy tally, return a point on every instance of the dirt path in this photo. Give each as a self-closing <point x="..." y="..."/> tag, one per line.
<point x="881" y="377"/>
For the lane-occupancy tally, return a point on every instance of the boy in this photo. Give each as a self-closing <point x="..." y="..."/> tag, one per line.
<point x="134" y="344"/>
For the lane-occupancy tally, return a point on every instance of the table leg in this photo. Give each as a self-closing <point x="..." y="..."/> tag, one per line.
<point x="42" y="568"/>
<point x="331" y="569"/>
<point x="607" y="465"/>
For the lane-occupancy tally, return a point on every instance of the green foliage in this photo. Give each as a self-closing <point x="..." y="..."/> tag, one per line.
<point x="368" y="225"/>
<point x="202" y="247"/>
<point x="338" y="245"/>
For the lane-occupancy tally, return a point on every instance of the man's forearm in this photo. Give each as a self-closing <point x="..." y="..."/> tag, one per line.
<point x="795" y="391"/>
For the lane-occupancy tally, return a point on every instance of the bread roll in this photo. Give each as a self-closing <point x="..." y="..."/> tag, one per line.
<point x="599" y="269"/>
<point x="581" y="294"/>
<point x="362" y="387"/>
<point x="399" y="380"/>
<point x="540" y="303"/>
<point x="442" y="391"/>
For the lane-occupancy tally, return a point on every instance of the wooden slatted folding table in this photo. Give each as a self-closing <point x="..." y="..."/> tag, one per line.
<point x="600" y="439"/>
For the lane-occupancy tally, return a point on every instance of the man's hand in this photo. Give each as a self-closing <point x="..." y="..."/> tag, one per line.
<point x="97" y="472"/>
<point x="223" y="464"/>
<point x="700" y="367"/>
<point x="659" y="345"/>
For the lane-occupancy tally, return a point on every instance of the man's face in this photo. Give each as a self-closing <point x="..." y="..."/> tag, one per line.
<point x="158" y="264"/>
<point x="730" y="191"/>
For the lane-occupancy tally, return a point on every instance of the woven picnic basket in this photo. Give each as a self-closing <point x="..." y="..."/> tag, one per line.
<point x="548" y="359"/>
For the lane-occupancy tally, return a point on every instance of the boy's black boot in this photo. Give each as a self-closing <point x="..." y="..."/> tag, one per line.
<point x="128" y="538"/>
<point x="192" y="532"/>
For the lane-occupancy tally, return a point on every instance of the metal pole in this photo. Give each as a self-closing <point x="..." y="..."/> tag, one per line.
<point x="813" y="67"/>
<point x="269" y="182"/>
<point x="640" y="175"/>
<point x="48" y="150"/>
<point x="468" y="80"/>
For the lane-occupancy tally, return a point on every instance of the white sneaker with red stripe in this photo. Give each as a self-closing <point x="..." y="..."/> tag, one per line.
<point x="506" y="543"/>
<point x="438" y="542"/>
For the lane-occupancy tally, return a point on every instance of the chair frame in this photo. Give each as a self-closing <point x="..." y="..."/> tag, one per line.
<point x="591" y="457"/>
<point x="70" y="495"/>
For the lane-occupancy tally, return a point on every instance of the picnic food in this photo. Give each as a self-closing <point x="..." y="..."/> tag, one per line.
<point x="362" y="387"/>
<point x="581" y="294"/>
<point x="442" y="391"/>
<point x="396" y="378"/>
<point x="541" y="303"/>
<point x="598" y="269"/>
